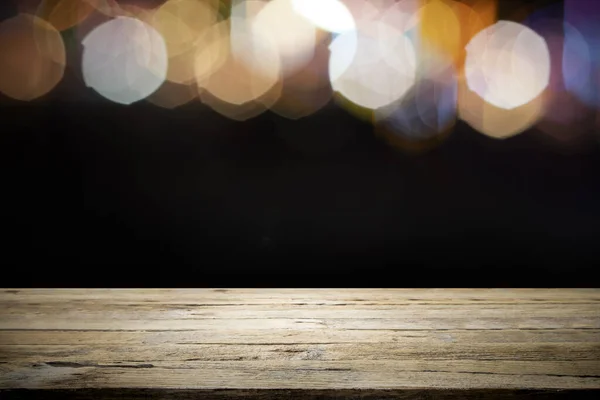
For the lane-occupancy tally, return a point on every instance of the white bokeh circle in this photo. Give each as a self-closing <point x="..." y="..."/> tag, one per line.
<point x="507" y="64"/>
<point x="125" y="60"/>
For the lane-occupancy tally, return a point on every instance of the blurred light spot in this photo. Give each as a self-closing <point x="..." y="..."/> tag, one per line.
<point x="435" y="96"/>
<point x="330" y="15"/>
<point x="240" y="112"/>
<point x="236" y="84"/>
<point x="182" y="67"/>
<point x="233" y="83"/>
<point x="577" y="64"/>
<point x="141" y="9"/>
<point x="564" y="125"/>
<point x="403" y="15"/>
<point x="212" y="51"/>
<point x="65" y="14"/>
<point x="83" y="29"/>
<point x="250" y="47"/>
<point x="110" y="8"/>
<point x="293" y="36"/>
<point x="307" y="91"/>
<point x="497" y="122"/>
<point x="507" y="64"/>
<point x="472" y="18"/>
<point x="182" y="23"/>
<point x="369" y="15"/>
<point x="583" y="14"/>
<point x="343" y="50"/>
<point x="246" y="9"/>
<point x="374" y="77"/>
<point x="581" y="52"/>
<point x="172" y="95"/>
<point x="423" y="117"/>
<point x="32" y="57"/>
<point x="124" y="60"/>
<point x="367" y="18"/>
<point x="440" y="29"/>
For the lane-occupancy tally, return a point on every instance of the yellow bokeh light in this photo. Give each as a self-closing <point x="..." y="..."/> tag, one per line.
<point x="172" y="95"/>
<point x="182" y="22"/>
<point x="65" y="14"/>
<point x="252" y="48"/>
<point x="293" y="36"/>
<point x="237" y="112"/>
<point x="33" y="57"/>
<point x="473" y="18"/>
<point x="211" y="52"/>
<point x="494" y="121"/>
<point x="439" y="28"/>
<point x="230" y="86"/>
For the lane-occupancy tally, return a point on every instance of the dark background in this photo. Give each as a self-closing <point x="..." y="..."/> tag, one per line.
<point x="98" y="194"/>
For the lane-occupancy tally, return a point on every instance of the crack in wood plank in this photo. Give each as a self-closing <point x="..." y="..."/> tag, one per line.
<point x="66" y="364"/>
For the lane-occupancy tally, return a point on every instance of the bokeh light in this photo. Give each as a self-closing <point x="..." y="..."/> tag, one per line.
<point x="32" y="57"/>
<point x="374" y="78"/>
<point x="473" y="17"/>
<point x="182" y="23"/>
<point x="424" y="116"/>
<point x="581" y="52"/>
<point x="497" y="122"/>
<point x="115" y="8"/>
<point x="172" y="95"/>
<point x="235" y="82"/>
<point x="212" y="50"/>
<point x="234" y="88"/>
<point x="124" y="60"/>
<point x="565" y="124"/>
<point x="293" y="36"/>
<point x="402" y="15"/>
<point x="409" y="67"/>
<point x="440" y="30"/>
<point x="65" y="14"/>
<point x="249" y="47"/>
<point x="307" y="91"/>
<point x="507" y="64"/>
<point x="329" y="15"/>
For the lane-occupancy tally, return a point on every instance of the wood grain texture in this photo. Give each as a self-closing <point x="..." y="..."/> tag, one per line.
<point x="300" y="343"/>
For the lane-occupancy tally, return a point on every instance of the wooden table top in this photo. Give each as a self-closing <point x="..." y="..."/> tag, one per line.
<point x="299" y="343"/>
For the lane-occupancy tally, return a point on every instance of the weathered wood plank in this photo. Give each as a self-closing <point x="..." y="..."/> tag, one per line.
<point x="297" y="394"/>
<point x="284" y="311"/>
<point x="402" y="351"/>
<point x="414" y="323"/>
<point x="298" y="374"/>
<point x="300" y="296"/>
<point x="297" y="336"/>
<point x="382" y="343"/>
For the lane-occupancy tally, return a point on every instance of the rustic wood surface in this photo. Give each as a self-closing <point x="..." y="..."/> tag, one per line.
<point x="300" y="343"/>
